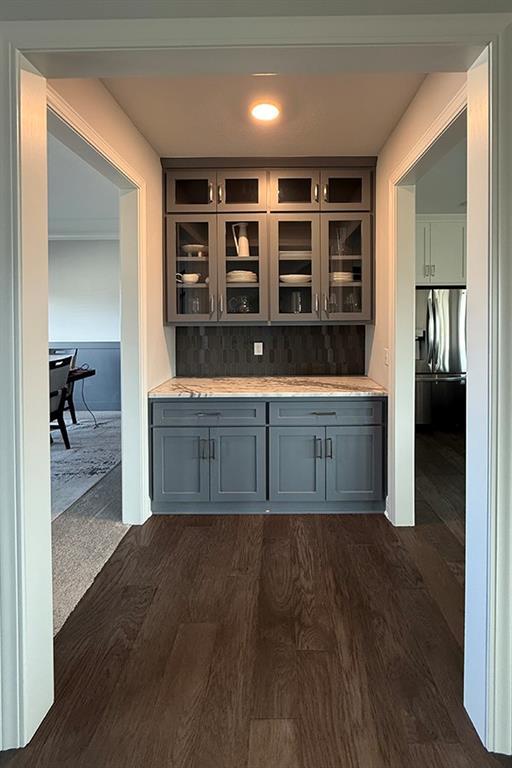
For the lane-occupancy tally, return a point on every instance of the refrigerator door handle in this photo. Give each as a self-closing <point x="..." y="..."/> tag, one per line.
<point x="430" y="332"/>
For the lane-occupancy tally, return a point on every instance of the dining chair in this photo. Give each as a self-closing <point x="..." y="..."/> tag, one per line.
<point x="59" y="372"/>
<point x="64" y="351"/>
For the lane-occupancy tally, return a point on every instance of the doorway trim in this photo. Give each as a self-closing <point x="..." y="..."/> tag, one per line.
<point x="70" y="128"/>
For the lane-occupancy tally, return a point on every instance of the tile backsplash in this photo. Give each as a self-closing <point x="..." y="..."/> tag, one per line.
<point x="287" y="350"/>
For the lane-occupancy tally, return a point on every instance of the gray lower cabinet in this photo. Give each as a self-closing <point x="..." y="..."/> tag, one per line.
<point x="297" y="469"/>
<point x="237" y="464"/>
<point x="180" y="468"/>
<point x="209" y="464"/>
<point x="353" y="463"/>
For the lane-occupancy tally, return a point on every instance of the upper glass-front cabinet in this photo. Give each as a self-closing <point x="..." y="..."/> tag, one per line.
<point x="346" y="266"/>
<point x="191" y="191"/>
<point x="191" y="268"/>
<point x="242" y="268"/>
<point x="241" y="190"/>
<point x="345" y="190"/>
<point x="294" y="190"/>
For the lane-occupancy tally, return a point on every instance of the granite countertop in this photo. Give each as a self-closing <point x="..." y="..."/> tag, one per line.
<point x="270" y="386"/>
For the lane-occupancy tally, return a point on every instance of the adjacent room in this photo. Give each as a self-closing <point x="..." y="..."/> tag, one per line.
<point x="85" y="385"/>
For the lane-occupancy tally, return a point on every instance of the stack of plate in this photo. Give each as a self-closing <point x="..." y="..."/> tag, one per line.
<point x="341" y="277"/>
<point x="241" y="276"/>
<point x="295" y="279"/>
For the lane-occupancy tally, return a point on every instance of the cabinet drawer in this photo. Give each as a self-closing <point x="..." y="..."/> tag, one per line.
<point x="199" y="413"/>
<point x="350" y="412"/>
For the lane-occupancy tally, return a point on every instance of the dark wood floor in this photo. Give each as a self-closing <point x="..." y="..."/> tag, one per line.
<point x="277" y="642"/>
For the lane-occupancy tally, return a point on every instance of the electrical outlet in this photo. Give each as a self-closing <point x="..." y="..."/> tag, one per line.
<point x="386" y="356"/>
<point x="258" y="347"/>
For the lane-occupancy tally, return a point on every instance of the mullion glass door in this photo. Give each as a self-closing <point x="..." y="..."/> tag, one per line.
<point x="295" y="258"/>
<point x="242" y="268"/>
<point x="191" y="269"/>
<point x="345" y="190"/>
<point x="191" y="191"/>
<point x="244" y="191"/>
<point x="346" y="265"/>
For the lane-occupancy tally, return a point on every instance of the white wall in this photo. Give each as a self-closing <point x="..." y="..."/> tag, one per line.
<point x="443" y="189"/>
<point x="97" y="107"/>
<point x="434" y="94"/>
<point x="83" y="294"/>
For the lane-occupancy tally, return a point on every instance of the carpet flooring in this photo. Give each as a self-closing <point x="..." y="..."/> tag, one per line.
<point x="94" y="452"/>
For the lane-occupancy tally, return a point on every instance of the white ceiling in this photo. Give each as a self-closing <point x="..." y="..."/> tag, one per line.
<point x="329" y="114"/>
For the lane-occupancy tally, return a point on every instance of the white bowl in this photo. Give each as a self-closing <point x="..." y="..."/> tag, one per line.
<point x="190" y="278"/>
<point x="295" y="279"/>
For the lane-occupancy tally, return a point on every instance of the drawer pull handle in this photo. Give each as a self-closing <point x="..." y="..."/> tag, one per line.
<point x="208" y="413"/>
<point x="318" y="448"/>
<point x="323" y="413"/>
<point x="328" y="448"/>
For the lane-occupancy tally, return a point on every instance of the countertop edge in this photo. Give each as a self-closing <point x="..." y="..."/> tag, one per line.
<point x="266" y="391"/>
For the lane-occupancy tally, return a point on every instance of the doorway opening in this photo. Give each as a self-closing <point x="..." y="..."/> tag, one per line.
<point x="84" y="357"/>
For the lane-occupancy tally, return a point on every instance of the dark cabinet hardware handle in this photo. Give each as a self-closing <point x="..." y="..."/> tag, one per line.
<point x="315" y="193"/>
<point x="328" y="448"/>
<point x="212" y="449"/>
<point x="326" y="304"/>
<point x="221" y="304"/>
<point x="210" y="192"/>
<point x="208" y="413"/>
<point x="317" y="304"/>
<point x="212" y="304"/>
<point x="326" y="193"/>
<point x="220" y="193"/>
<point x="323" y="413"/>
<point x="318" y="448"/>
<point x="203" y="448"/>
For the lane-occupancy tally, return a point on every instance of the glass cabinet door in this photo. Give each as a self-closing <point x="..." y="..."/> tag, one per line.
<point x="346" y="265"/>
<point x="345" y="190"/>
<point x="242" y="268"/>
<point x="190" y="191"/>
<point x="295" y="190"/>
<point x="191" y="269"/>
<point x="241" y="190"/>
<point x="295" y="274"/>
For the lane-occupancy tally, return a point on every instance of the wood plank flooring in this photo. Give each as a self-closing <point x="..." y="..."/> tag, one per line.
<point x="276" y="642"/>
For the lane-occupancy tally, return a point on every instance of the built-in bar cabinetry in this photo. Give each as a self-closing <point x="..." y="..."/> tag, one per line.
<point x="324" y="454"/>
<point x="284" y="245"/>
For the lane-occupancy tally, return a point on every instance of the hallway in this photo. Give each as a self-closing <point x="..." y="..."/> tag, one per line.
<point x="282" y="642"/>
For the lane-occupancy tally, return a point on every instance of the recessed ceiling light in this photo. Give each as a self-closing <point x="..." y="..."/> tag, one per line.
<point x="264" y="74"/>
<point x="265" y="111"/>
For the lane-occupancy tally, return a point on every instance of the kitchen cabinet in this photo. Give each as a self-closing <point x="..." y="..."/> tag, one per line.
<point x="317" y="455"/>
<point x="441" y="250"/>
<point x="242" y="270"/>
<point x="267" y="245"/>
<point x="295" y="267"/>
<point x="201" y="464"/>
<point x="346" y="266"/>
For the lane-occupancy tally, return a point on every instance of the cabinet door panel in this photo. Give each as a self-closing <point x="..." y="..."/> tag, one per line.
<point x="354" y="458"/>
<point x="447" y="253"/>
<point x="422" y="253"/>
<point x="192" y="301"/>
<point x="237" y="464"/>
<point x="180" y="464"/>
<point x="244" y="190"/>
<point x="295" y="266"/>
<point x="345" y="190"/>
<point x="297" y="466"/>
<point x="190" y="191"/>
<point x="346" y="266"/>
<point x="295" y="190"/>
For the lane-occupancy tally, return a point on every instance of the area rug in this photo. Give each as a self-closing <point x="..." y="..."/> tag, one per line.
<point x="95" y="451"/>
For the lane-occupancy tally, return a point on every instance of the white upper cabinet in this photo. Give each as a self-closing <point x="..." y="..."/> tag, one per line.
<point x="441" y="250"/>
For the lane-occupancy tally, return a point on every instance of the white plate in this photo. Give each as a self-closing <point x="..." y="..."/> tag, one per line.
<point x="295" y="278"/>
<point x="295" y="254"/>
<point x="194" y="248"/>
<point x="252" y="279"/>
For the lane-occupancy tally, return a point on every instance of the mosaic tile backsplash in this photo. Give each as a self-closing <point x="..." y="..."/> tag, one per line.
<point x="287" y="351"/>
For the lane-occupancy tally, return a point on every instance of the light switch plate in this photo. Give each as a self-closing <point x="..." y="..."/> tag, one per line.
<point x="258" y="347"/>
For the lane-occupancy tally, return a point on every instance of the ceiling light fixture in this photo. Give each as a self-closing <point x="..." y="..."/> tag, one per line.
<point x="265" y="112"/>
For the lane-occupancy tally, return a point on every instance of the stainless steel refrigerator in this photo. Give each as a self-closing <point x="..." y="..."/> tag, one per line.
<point x="441" y="356"/>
